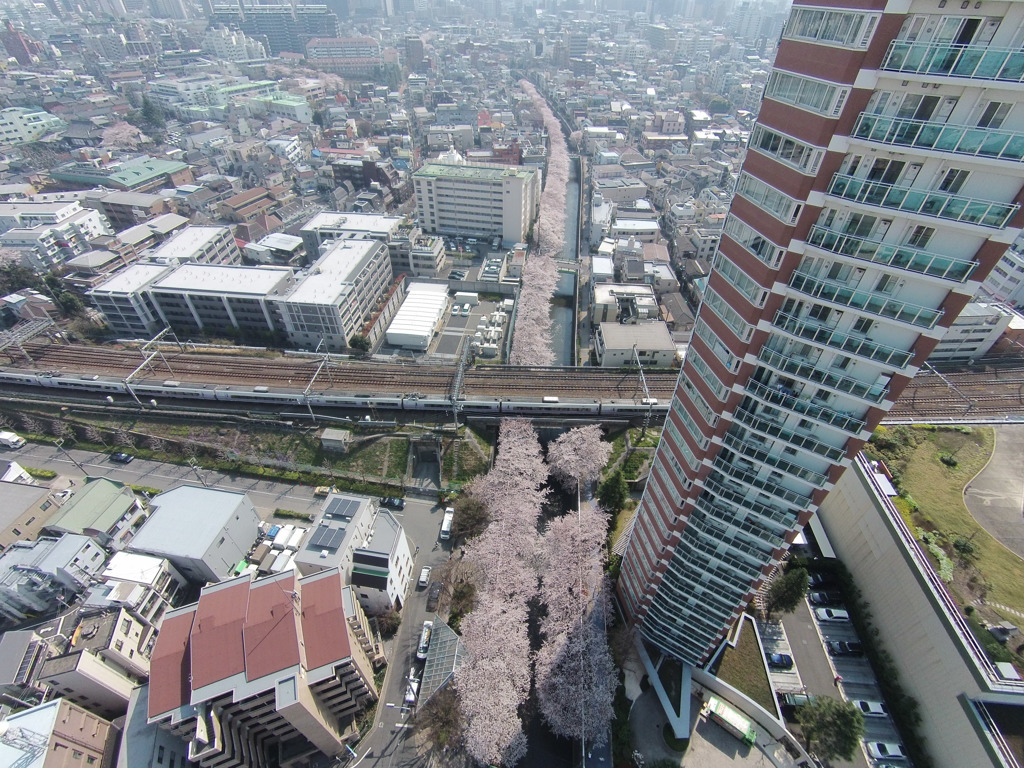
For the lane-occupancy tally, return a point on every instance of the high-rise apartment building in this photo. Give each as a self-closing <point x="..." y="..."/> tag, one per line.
<point x="882" y="182"/>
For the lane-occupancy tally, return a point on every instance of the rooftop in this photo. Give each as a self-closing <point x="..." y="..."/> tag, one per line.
<point x="648" y="337"/>
<point x="37" y="720"/>
<point x="329" y="537"/>
<point x="16" y="499"/>
<point x="372" y="223"/>
<point x="331" y="276"/>
<point x="131" y="566"/>
<point x="188" y="241"/>
<point x="185" y="520"/>
<point x="97" y="506"/>
<point x="132" y="279"/>
<point x="223" y="278"/>
<point x="491" y="172"/>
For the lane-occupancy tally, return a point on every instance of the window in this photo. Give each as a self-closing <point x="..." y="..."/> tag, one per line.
<point x="828" y="27"/>
<point x="16" y="532"/>
<point x="807" y="93"/>
<point x="953" y="181"/>
<point x="920" y="236"/>
<point x="77" y="754"/>
<point x="804" y="157"/>
<point x="994" y="114"/>
<point x="126" y="626"/>
<point x="781" y="206"/>
<point x="863" y="325"/>
<point x="160" y="755"/>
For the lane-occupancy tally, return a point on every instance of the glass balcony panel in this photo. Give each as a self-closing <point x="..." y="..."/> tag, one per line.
<point x="927" y="202"/>
<point x="855" y="345"/>
<point x="970" y="61"/>
<point x="878" y="304"/>
<point x="874" y="393"/>
<point x="958" y="139"/>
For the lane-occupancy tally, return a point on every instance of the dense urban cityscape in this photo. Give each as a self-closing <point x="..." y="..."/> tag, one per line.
<point x="511" y="383"/>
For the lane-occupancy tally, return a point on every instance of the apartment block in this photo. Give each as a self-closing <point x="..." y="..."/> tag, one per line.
<point x="257" y="672"/>
<point x="477" y="200"/>
<point x="57" y="734"/>
<point x="49" y="233"/>
<point x="19" y="125"/>
<point x="203" y="245"/>
<point x="346" y="56"/>
<point x="881" y="184"/>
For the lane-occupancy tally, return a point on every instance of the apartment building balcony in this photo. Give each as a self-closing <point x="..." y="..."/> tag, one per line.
<point x="772" y="429"/>
<point x="867" y="301"/>
<point x="773" y="531"/>
<point x="762" y="456"/>
<point x="927" y="202"/>
<point x="805" y="407"/>
<point x="856" y="345"/>
<point x="751" y="478"/>
<point x="975" y="62"/>
<point x="804" y="369"/>
<point x="717" y="484"/>
<point x="945" y="137"/>
<point x="903" y="256"/>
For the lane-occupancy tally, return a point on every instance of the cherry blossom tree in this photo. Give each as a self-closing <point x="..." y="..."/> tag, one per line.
<point x="576" y="679"/>
<point x="531" y="341"/>
<point x="578" y="456"/>
<point x="122" y="136"/>
<point x="573" y="552"/>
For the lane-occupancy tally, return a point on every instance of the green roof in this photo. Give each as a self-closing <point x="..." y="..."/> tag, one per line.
<point x="128" y="176"/>
<point x="433" y="170"/>
<point x="97" y="506"/>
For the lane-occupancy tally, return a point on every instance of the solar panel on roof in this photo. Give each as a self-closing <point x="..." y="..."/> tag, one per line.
<point x="335" y="540"/>
<point x="322" y="532"/>
<point x="326" y="537"/>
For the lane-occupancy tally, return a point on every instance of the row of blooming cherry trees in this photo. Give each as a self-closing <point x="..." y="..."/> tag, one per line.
<point x="514" y="565"/>
<point x="531" y="341"/>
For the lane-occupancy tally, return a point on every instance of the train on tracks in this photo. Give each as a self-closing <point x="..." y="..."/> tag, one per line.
<point x="144" y="391"/>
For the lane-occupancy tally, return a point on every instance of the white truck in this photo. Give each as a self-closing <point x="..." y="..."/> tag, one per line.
<point x="446" y="523"/>
<point x="11" y="440"/>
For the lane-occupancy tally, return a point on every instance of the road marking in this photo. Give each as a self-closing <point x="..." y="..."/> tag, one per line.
<point x="389" y="704"/>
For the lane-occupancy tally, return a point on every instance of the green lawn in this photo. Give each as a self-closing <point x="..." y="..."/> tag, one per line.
<point x="743" y="668"/>
<point x="937" y="490"/>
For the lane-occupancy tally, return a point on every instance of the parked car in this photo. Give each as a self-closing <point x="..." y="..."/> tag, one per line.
<point x="825" y="598"/>
<point x="831" y="615"/>
<point x="424" y="576"/>
<point x="845" y="648"/>
<point x="881" y="750"/>
<point x="122" y="458"/>
<point x="466" y="310"/>
<point x="64" y="495"/>
<point x="412" y="687"/>
<point x="795" y="699"/>
<point x="817" y="579"/>
<point x="779" y="660"/>
<point x="455" y="310"/>
<point x="433" y="595"/>
<point x="392" y="502"/>
<point x="424" y="644"/>
<point x="870" y="708"/>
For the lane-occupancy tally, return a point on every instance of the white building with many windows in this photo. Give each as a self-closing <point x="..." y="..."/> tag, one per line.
<point x="477" y="200"/>
<point x="20" y="125"/>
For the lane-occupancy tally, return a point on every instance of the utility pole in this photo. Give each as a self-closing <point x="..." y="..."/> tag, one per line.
<point x="195" y="468"/>
<point x="59" y="442"/>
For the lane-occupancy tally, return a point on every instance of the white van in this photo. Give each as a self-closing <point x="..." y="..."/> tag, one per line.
<point x="446" y="524"/>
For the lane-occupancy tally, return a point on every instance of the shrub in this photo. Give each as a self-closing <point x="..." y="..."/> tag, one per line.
<point x="42" y="474"/>
<point x="293" y="515"/>
<point x="948" y="459"/>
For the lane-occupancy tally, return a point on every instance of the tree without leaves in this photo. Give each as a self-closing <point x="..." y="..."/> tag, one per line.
<point x="471" y="517"/>
<point x="785" y="593"/>
<point x="578" y="456"/>
<point x="441" y="720"/>
<point x="835" y="727"/>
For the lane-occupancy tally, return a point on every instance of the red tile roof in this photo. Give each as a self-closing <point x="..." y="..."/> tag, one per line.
<point x="271" y="642"/>
<point x="324" y="630"/>
<point x="169" y="665"/>
<point x="217" y="650"/>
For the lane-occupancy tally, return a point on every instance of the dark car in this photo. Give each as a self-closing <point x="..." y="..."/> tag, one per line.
<point x="122" y="458"/>
<point x="392" y="502"/>
<point x="433" y="595"/>
<point x="779" y="660"/>
<point x="795" y="700"/>
<point x="817" y="579"/>
<point x="844" y="648"/>
<point x="825" y="598"/>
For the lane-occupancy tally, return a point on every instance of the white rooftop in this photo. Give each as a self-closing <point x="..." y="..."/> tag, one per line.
<point x="332" y="274"/>
<point x="185" y="520"/>
<point x="648" y="337"/>
<point x="132" y="279"/>
<point x="373" y="223"/>
<point x="224" y="278"/>
<point x="423" y="306"/>
<point x="187" y="242"/>
<point x="281" y="242"/>
<point x="129" y="566"/>
<point x="37" y="720"/>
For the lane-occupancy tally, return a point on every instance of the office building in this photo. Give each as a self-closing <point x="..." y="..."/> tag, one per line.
<point x="259" y="670"/>
<point x="477" y="200"/>
<point x="346" y="56"/>
<point x="881" y="184"/>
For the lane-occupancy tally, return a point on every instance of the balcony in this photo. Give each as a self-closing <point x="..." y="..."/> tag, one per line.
<point x="867" y="301"/>
<point x="924" y="134"/>
<point x="777" y="430"/>
<point x="942" y="205"/>
<point x="855" y="345"/>
<point x="715" y="483"/>
<point x="762" y="456"/>
<point x="977" y="62"/>
<point x="805" y="407"/>
<point x="745" y="528"/>
<point x="902" y="256"/>
<point x="750" y="478"/>
<point x="873" y="393"/>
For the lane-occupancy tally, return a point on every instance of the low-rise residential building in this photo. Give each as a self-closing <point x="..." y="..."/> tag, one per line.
<point x="24" y="509"/>
<point x="126" y="209"/>
<point x="145" y="586"/>
<point x="624" y="302"/>
<point x="106" y="510"/>
<point x="277" y="248"/>
<point x="39" y="576"/>
<point x="416" y="254"/>
<point x="284" y="105"/>
<point x="21" y="125"/>
<point x="56" y="734"/>
<point x="203" y="532"/>
<point x="617" y="345"/>
<point x="108" y="655"/>
<point x="27" y="304"/>
<point x="620" y="190"/>
<point x="254" y="666"/>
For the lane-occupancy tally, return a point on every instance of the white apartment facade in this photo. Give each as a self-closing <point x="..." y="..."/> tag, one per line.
<point x="49" y="233"/>
<point x="20" y="125"/>
<point x="477" y="200"/>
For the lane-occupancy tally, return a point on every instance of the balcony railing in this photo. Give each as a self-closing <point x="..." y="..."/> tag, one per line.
<point x="715" y="483"/>
<point x="776" y="430"/>
<point x="855" y="345"/>
<point x="868" y="301"/>
<point x="902" y="256"/>
<point x="927" y="202"/>
<point x="805" y="407"/>
<point x="873" y="393"/>
<point x="768" y="486"/>
<point x="925" y="134"/>
<point x="759" y="533"/>
<point x="762" y="456"/>
<point x="972" y="61"/>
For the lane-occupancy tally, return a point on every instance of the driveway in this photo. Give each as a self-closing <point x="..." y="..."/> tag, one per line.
<point x="995" y="498"/>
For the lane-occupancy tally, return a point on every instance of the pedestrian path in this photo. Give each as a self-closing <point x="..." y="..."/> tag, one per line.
<point x="999" y="606"/>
